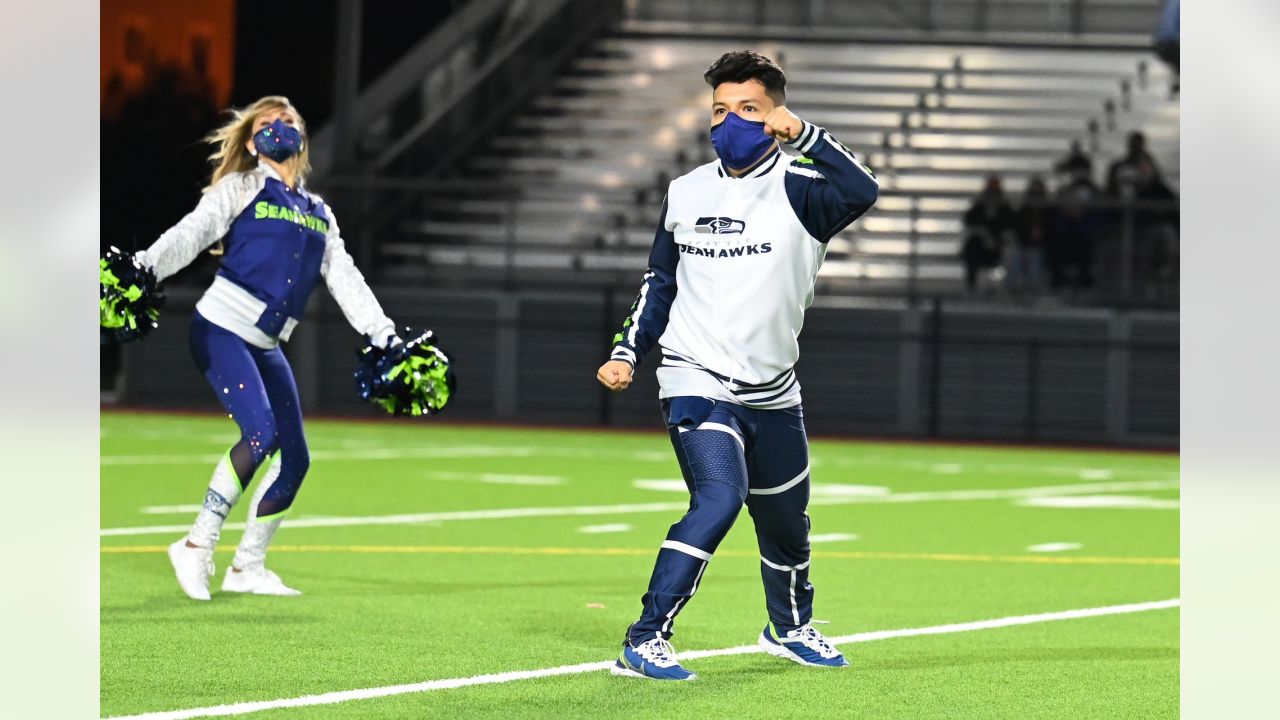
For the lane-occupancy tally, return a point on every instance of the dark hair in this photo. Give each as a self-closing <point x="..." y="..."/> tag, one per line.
<point x="743" y="65"/>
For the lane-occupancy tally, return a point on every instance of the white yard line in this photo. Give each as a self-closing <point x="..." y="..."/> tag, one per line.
<point x="331" y="698"/>
<point x="169" y="509"/>
<point x="462" y="451"/>
<point x="832" y="537"/>
<point x="1054" y="547"/>
<point x="660" y="484"/>
<point x="974" y="467"/>
<point x="363" y="452"/>
<point x="497" y="478"/>
<point x="1004" y="493"/>
<point x="506" y="513"/>
<point x="458" y="451"/>
<point x="607" y="528"/>
<point x="500" y="514"/>
<point x="1094" y="502"/>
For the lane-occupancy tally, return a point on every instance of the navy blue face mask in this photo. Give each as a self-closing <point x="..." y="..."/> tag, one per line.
<point x="278" y="141"/>
<point x="738" y="142"/>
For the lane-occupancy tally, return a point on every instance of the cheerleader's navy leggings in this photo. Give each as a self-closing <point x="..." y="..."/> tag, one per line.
<point x="257" y="389"/>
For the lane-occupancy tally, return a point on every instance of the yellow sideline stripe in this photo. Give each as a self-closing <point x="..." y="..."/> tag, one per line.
<point x="606" y="552"/>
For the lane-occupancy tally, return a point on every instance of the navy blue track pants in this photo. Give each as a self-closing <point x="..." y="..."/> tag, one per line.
<point x="730" y="455"/>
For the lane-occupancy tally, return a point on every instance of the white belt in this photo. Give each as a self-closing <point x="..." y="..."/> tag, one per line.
<point x="230" y="306"/>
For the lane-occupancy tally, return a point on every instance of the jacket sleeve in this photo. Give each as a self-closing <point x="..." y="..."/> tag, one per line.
<point x="348" y="287"/>
<point x="201" y="228"/>
<point x="828" y="187"/>
<point x="650" y="311"/>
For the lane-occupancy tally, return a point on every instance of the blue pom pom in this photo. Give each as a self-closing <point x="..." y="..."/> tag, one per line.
<point x="414" y="378"/>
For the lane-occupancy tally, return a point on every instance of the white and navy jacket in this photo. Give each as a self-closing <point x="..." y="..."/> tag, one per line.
<point x="279" y="242"/>
<point x="732" y="271"/>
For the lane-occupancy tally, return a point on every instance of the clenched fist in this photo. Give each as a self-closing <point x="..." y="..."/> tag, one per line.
<point x="615" y="375"/>
<point x="782" y="124"/>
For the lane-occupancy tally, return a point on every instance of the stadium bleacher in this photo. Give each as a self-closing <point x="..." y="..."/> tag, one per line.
<point x="584" y="164"/>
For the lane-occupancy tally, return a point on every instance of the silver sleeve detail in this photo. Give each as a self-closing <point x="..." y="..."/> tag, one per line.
<point x="201" y="228"/>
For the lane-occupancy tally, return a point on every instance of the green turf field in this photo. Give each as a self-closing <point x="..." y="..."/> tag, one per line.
<point x="410" y="573"/>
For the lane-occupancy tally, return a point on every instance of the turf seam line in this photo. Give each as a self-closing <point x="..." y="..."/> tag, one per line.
<point x="331" y="698"/>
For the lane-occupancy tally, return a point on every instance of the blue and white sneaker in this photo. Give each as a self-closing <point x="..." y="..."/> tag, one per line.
<point x="803" y="645"/>
<point x="653" y="659"/>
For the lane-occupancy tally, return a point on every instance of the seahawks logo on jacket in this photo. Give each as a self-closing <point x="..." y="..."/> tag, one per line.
<point x="719" y="226"/>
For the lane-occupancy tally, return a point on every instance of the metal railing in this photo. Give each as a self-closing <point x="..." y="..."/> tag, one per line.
<point x="436" y="83"/>
<point x="445" y="95"/>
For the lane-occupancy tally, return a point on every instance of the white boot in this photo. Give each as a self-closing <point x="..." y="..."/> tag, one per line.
<point x="193" y="566"/>
<point x="248" y="572"/>
<point x="257" y="580"/>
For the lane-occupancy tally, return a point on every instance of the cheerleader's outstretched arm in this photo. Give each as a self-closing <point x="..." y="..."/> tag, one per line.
<point x="347" y="285"/>
<point x="201" y="228"/>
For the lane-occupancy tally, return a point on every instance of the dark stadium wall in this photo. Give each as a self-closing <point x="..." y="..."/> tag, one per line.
<point x="869" y="368"/>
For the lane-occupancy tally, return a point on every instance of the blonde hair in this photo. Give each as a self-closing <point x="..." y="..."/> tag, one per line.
<point x="231" y="156"/>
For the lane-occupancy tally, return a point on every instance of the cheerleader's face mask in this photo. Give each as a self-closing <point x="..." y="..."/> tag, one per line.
<point x="279" y="139"/>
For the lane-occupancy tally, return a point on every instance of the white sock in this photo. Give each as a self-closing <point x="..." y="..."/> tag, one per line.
<point x="252" y="551"/>
<point x="224" y="491"/>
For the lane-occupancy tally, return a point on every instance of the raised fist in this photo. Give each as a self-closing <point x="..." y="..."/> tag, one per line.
<point x="783" y="124"/>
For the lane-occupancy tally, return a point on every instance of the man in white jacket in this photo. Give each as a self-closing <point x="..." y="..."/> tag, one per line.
<point x="732" y="270"/>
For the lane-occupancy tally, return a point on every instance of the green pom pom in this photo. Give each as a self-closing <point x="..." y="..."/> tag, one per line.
<point x="415" y="378"/>
<point x="129" y="298"/>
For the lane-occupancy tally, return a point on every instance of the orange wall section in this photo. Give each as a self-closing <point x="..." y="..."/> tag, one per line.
<point x="137" y="36"/>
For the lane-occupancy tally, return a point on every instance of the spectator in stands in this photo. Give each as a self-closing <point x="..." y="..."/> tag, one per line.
<point x="615" y="237"/>
<point x="988" y="227"/>
<point x="1076" y="163"/>
<point x="1073" y="237"/>
<point x="1155" y="232"/>
<point x="1123" y="173"/>
<point x="1025" y="260"/>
